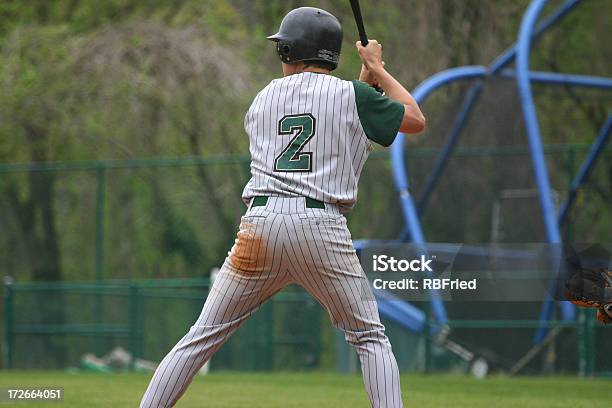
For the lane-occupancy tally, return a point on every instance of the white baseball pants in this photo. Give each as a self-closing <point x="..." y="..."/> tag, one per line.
<point x="280" y="243"/>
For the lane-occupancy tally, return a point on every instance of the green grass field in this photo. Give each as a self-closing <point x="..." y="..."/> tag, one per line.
<point x="320" y="390"/>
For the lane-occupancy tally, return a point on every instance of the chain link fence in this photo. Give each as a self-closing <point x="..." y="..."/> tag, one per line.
<point x="141" y="237"/>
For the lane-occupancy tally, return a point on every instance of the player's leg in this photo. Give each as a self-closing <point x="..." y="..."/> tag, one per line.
<point x="247" y="279"/>
<point x="326" y="265"/>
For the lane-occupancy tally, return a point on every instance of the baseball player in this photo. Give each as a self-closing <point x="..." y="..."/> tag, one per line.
<point x="310" y="134"/>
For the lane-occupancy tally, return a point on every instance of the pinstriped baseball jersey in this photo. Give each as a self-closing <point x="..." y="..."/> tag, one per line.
<point x="310" y="136"/>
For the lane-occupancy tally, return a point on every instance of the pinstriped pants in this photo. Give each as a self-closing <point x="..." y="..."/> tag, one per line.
<point x="279" y="244"/>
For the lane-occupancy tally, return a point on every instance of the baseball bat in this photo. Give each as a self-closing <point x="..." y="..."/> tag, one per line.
<point x="359" y="20"/>
<point x="360" y="27"/>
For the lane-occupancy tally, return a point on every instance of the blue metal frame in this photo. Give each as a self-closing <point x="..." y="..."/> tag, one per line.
<point x="453" y="137"/>
<point x="420" y="93"/>
<point x="585" y="169"/>
<point x="554" y="78"/>
<point x="400" y="173"/>
<point x="532" y="127"/>
<point x="443" y="78"/>
<point x="520" y="51"/>
<point x="508" y="56"/>
<point x="470" y="100"/>
<point x="412" y="219"/>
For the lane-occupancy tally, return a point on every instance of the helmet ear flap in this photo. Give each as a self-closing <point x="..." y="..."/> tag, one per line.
<point x="284" y="51"/>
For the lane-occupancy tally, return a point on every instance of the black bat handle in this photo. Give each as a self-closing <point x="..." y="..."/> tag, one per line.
<point x="364" y="38"/>
<point x="359" y="20"/>
<point x="360" y="27"/>
<point x="364" y="41"/>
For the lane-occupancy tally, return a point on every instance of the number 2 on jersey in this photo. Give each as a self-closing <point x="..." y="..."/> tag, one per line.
<point x="292" y="158"/>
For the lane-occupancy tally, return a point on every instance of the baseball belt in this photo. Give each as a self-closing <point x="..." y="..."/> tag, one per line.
<point x="261" y="201"/>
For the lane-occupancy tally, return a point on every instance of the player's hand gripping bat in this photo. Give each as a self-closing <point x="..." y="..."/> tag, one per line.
<point x="360" y="27"/>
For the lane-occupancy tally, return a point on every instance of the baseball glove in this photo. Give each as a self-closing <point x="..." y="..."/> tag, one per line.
<point x="592" y="288"/>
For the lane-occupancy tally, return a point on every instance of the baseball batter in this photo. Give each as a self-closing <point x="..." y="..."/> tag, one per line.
<point x="310" y="134"/>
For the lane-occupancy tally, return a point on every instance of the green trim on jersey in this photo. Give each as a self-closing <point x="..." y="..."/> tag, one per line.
<point x="379" y="115"/>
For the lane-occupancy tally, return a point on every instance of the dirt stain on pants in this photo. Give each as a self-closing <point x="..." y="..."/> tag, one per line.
<point x="247" y="255"/>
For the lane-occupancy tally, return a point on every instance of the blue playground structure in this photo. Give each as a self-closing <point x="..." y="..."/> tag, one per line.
<point x="531" y="29"/>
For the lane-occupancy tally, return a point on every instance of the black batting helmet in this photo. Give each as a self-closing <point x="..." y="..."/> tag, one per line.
<point x="309" y="34"/>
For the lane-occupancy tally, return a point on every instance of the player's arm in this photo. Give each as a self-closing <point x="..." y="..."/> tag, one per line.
<point x="371" y="57"/>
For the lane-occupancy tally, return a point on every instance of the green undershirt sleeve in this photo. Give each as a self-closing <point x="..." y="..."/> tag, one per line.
<point x="379" y="115"/>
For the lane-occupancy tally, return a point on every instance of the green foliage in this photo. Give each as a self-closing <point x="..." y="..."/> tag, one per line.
<point x="32" y="75"/>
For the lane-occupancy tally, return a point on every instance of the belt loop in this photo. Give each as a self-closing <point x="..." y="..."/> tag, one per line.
<point x="312" y="203"/>
<point x="259" y="201"/>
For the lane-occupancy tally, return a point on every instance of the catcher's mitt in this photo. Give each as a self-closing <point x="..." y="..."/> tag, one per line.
<point x="592" y="288"/>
